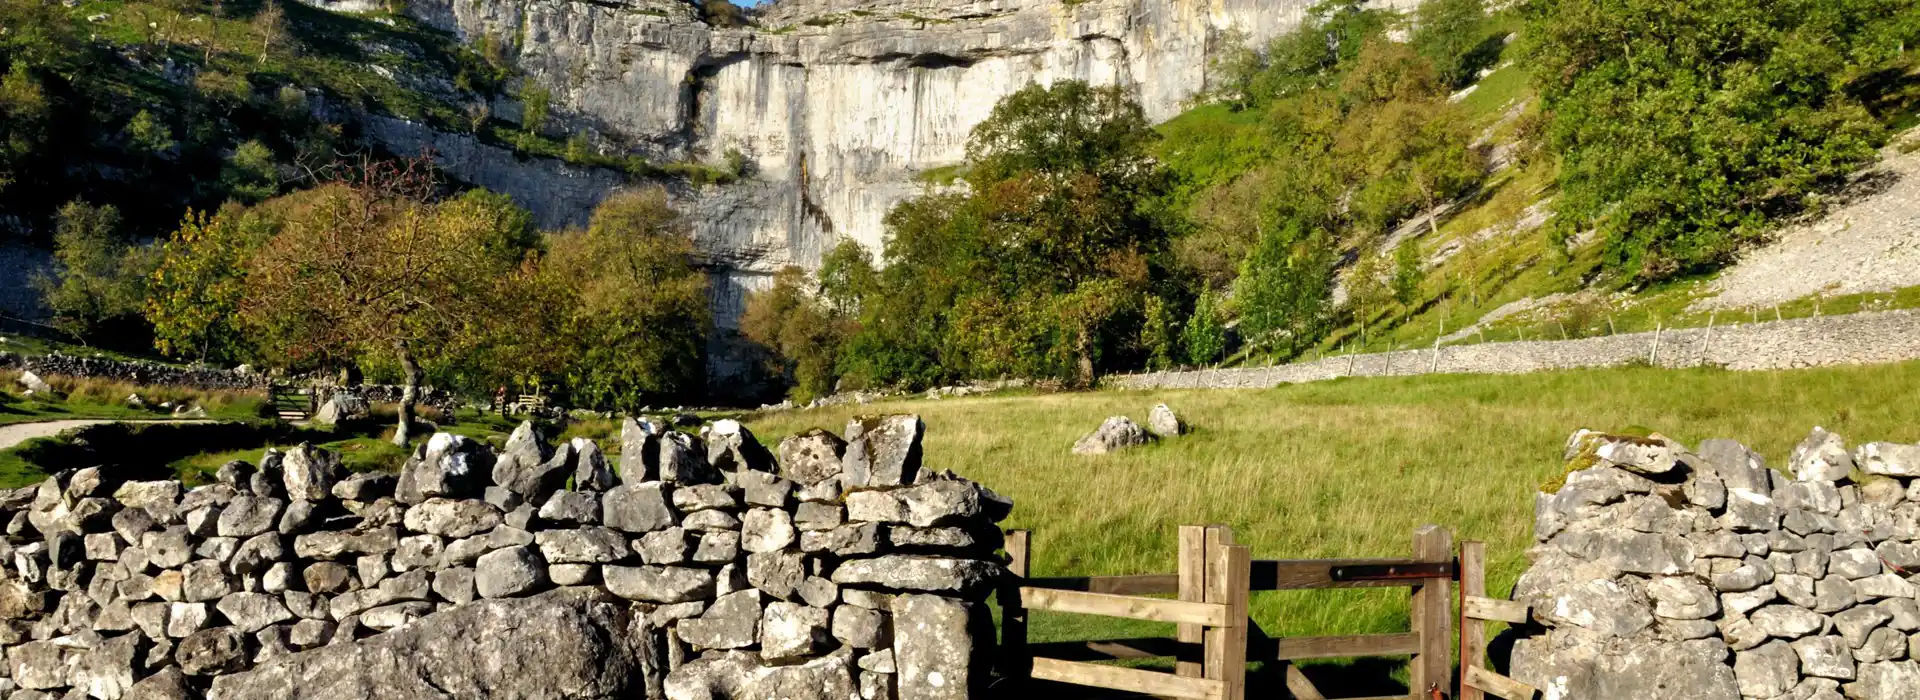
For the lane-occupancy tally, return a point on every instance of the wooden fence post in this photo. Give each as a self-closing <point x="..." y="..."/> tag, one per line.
<point x="1473" y="633"/>
<point x="1228" y="571"/>
<point x="1193" y="588"/>
<point x="1431" y="621"/>
<point x="1015" y="663"/>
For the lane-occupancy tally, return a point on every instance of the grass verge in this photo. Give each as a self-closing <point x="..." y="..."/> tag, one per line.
<point x="1348" y="467"/>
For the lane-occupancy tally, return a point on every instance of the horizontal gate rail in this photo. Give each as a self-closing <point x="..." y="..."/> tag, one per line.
<point x="1133" y="608"/>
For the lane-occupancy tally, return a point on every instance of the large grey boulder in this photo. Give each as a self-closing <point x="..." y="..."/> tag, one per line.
<point x="572" y="644"/>
<point x="637" y="507"/>
<point x="34" y="383"/>
<point x="811" y="457"/>
<point x="738" y="675"/>
<point x="882" y="451"/>
<point x="1574" y="665"/>
<point x="1115" y="433"/>
<point x="1164" y="423"/>
<point x="524" y="465"/>
<point x="1822" y="456"/>
<point x="638" y="449"/>
<point x="928" y="574"/>
<point x="1888" y="459"/>
<point x="732" y="622"/>
<point x="448" y="466"/>
<point x="679" y="459"/>
<point x="590" y="469"/>
<point x="309" y="472"/>
<point x="933" y="647"/>
<point x="732" y="448"/>
<point x="343" y="406"/>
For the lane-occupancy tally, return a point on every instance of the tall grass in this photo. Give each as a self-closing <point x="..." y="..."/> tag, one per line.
<point x="87" y="398"/>
<point x="1349" y="467"/>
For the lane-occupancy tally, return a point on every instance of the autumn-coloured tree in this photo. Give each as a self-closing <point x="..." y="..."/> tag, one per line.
<point x="627" y="305"/>
<point x="377" y="270"/>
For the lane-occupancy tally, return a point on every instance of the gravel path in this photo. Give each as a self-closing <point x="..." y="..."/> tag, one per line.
<point x="11" y="435"/>
<point x="1871" y="244"/>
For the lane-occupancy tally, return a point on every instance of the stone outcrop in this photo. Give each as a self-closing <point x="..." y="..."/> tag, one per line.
<point x="840" y="108"/>
<point x="1663" y="571"/>
<point x="695" y="571"/>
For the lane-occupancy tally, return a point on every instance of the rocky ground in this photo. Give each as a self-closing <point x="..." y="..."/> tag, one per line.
<point x="1869" y="244"/>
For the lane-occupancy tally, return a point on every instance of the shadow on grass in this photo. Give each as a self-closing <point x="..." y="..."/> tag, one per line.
<point x="143" y="451"/>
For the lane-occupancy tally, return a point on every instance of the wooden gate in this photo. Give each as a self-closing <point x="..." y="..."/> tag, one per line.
<point x="1211" y="653"/>
<point x="291" y="403"/>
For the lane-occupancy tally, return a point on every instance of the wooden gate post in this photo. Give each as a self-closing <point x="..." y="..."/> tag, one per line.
<point x="1430" y="667"/>
<point x="1228" y="574"/>
<point x="1473" y="634"/>
<point x="1193" y="588"/>
<point x="1015" y="663"/>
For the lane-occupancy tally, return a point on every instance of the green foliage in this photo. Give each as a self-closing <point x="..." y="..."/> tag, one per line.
<point x="1206" y="332"/>
<point x="847" y="276"/>
<point x="100" y="280"/>
<point x="1284" y="291"/>
<point x="251" y="174"/>
<point x="1407" y="273"/>
<point x="1452" y="35"/>
<point x="534" y="103"/>
<point x="802" y="334"/>
<point x="148" y="134"/>
<point x="1159" y="334"/>
<point x="1038" y="269"/>
<point x="1682" y="128"/>
<point x="194" y="294"/>
<point x="622" y="308"/>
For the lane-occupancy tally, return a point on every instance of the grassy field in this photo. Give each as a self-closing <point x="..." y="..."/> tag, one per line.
<point x="1348" y="467"/>
<point x="91" y="398"/>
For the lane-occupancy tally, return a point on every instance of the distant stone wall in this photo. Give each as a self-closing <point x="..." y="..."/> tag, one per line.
<point x="687" y="567"/>
<point x="152" y="373"/>
<point x="1853" y="339"/>
<point x="1665" y="572"/>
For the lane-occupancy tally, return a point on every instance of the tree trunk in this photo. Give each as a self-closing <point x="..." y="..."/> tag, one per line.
<point x="1085" y="350"/>
<point x="409" y="395"/>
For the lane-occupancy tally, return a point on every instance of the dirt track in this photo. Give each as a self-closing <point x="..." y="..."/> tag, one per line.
<point x="11" y="435"/>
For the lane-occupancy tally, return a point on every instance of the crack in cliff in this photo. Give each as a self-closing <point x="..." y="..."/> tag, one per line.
<point x="808" y="207"/>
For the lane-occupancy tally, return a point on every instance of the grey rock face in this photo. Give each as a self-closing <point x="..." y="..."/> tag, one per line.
<point x="509" y="572"/>
<point x="766" y="530"/>
<point x="637" y="508"/>
<point x="659" y="584"/>
<point x="212" y="651"/>
<point x="930" y="574"/>
<point x="732" y="622"/>
<point x="529" y="468"/>
<point x="1164" y="423"/>
<point x="575" y="507"/>
<point x="882" y="451"/>
<point x="811" y="457"/>
<point x="341" y="407"/>
<point x="680" y="461"/>
<point x="932" y="647"/>
<point x="1888" y="459"/>
<point x="447" y="466"/>
<point x="790" y="631"/>
<point x="1768" y="670"/>
<point x="1116" y="433"/>
<point x="1822" y="456"/>
<point x="565" y="645"/>
<point x="309" y="472"/>
<point x="590" y="471"/>
<point x="452" y="518"/>
<point x="593" y="545"/>
<point x="743" y="675"/>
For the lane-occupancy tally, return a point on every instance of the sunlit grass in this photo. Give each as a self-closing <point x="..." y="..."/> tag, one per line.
<point x="1348" y="467"/>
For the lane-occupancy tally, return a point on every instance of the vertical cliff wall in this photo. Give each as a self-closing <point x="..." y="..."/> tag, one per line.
<point x="838" y="105"/>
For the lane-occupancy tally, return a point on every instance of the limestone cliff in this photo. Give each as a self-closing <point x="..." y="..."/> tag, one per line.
<point x="838" y="105"/>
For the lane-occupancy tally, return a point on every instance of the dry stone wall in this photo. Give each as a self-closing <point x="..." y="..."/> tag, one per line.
<point x="1853" y="339"/>
<point x="1667" y="572"/>
<point x="688" y="567"/>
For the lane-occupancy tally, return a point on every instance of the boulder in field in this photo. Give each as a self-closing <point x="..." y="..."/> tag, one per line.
<point x="1163" y="422"/>
<point x="1116" y="433"/>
